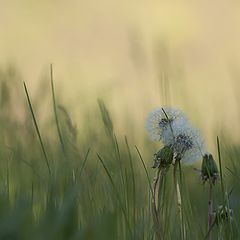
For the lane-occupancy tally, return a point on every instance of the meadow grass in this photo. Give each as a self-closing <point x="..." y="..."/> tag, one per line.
<point x="58" y="183"/>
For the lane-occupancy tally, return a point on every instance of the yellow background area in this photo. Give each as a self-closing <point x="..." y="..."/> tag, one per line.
<point x="136" y="55"/>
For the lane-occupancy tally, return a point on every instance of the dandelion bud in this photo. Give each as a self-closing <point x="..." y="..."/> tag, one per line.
<point x="209" y="169"/>
<point x="163" y="158"/>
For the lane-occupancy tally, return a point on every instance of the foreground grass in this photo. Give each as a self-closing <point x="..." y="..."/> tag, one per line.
<point x="58" y="183"/>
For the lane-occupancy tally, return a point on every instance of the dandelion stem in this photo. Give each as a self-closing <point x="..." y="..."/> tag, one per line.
<point x="210" y="210"/>
<point x="156" y="218"/>
<point x="178" y="196"/>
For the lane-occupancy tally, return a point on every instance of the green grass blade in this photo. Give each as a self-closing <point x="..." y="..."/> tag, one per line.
<point x="55" y="110"/>
<point x="220" y="168"/>
<point x="133" y="183"/>
<point x="145" y="168"/>
<point x="83" y="165"/>
<point x="37" y="129"/>
<point x="117" y="195"/>
<point x="106" y="117"/>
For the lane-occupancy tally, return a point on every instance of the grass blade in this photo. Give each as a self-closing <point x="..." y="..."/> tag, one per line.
<point x="37" y="129"/>
<point x="55" y="110"/>
<point x="145" y="168"/>
<point x="117" y="194"/>
<point x="220" y="168"/>
<point x="133" y="183"/>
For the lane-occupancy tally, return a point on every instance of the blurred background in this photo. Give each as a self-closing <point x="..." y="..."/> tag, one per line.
<point x="135" y="55"/>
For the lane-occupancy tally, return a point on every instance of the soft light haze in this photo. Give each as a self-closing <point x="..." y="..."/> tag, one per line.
<point x="119" y="50"/>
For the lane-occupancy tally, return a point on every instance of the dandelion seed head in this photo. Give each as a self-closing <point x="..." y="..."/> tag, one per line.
<point x="158" y="121"/>
<point x="172" y="128"/>
<point x="186" y="141"/>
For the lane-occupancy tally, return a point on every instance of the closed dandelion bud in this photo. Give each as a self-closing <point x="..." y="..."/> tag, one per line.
<point x="163" y="158"/>
<point x="209" y="169"/>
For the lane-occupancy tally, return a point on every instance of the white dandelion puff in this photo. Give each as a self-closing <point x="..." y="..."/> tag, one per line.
<point x="160" y="119"/>
<point x="185" y="140"/>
